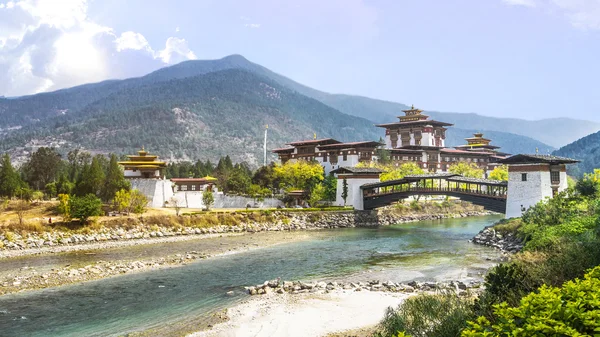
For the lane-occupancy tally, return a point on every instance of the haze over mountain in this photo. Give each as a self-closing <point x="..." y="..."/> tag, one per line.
<point x="198" y="109"/>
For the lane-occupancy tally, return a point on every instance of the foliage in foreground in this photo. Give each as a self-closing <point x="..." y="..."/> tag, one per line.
<point x="571" y="310"/>
<point x="443" y="314"/>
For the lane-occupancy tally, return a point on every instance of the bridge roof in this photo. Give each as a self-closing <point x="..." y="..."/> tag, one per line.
<point x="537" y="159"/>
<point x="489" y="182"/>
<point x="409" y="179"/>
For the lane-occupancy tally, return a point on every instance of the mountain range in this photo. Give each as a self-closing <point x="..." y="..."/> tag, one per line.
<point x="205" y="109"/>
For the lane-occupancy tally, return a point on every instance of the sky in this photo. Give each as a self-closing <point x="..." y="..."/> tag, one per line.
<point x="529" y="59"/>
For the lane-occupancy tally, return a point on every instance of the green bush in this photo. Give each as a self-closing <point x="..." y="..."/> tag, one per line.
<point x="440" y="315"/>
<point x="572" y="310"/>
<point x="84" y="207"/>
<point x="415" y="206"/>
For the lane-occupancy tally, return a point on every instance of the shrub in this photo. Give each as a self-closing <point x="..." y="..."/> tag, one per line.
<point x="441" y="315"/>
<point x="86" y="207"/>
<point x="415" y="206"/>
<point x="572" y="310"/>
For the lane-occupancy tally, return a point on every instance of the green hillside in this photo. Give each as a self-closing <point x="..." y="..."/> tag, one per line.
<point x="586" y="149"/>
<point x="124" y="114"/>
<point x="206" y="116"/>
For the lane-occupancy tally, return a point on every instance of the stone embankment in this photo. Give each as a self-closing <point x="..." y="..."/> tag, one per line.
<point x="299" y="287"/>
<point x="490" y="237"/>
<point x="281" y="221"/>
<point x="27" y="278"/>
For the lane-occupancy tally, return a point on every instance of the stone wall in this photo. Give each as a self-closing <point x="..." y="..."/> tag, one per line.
<point x="277" y="221"/>
<point x="193" y="199"/>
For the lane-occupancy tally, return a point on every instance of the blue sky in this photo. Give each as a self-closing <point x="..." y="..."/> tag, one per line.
<point x="509" y="58"/>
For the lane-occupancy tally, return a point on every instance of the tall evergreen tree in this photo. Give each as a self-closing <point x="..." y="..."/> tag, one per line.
<point x="115" y="180"/>
<point x="10" y="181"/>
<point x="91" y="179"/>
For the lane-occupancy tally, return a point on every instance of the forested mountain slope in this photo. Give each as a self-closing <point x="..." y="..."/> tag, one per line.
<point x="205" y="116"/>
<point x="586" y="149"/>
<point x="19" y="112"/>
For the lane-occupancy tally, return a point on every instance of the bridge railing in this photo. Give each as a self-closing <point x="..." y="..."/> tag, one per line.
<point x="489" y="192"/>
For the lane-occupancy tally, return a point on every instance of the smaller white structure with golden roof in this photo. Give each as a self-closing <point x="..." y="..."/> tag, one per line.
<point x="143" y="165"/>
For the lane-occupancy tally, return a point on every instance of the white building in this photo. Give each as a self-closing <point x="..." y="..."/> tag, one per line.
<point x="330" y="153"/>
<point x="354" y="177"/>
<point x="533" y="178"/>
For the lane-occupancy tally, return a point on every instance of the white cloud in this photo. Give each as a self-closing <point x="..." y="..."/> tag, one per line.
<point x="582" y="14"/>
<point x="176" y="50"/>
<point x="132" y="40"/>
<point x="527" y="3"/>
<point x="48" y="45"/>
<point x="177" y="29"/>
<point x="252" y="25"/>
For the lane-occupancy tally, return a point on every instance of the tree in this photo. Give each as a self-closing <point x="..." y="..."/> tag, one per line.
<point x="208" y="199"/>
<point x="139" y="202"/>
<point x="21" y="209"/>
<point x="499" y="173"/>
<point x="301" y="175"/>
<point x="174" y="202"/>
<point x="91" y="180"/>
<point x="115" y="180"/>
<point x="10" y="181"/>
<point x="42" y="168"/>
<point x="344" y="190"/>
<point x="393" y="173"/>
<point x="122" y="201"/>
<point x="317" y="194"/>
<point x="384" y="156"/>
<point x="265" y="177"/>
<point x="64" y="207"/>
<point x="470" y="170"/>
<point x="238" y="181"/>
<point x="330" y="184"/>
<point x="589" y="185"/>
<point x="85" y="207"/>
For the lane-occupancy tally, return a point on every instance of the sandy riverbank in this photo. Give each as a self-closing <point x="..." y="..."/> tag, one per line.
<point x="303" y="315"/>
<point x="22" y="273"/>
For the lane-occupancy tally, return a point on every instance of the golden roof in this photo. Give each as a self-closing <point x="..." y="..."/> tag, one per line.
<point x="143" y="160"/>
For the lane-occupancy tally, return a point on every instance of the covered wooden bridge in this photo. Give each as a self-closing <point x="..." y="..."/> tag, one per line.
<point x="491" y="194"/>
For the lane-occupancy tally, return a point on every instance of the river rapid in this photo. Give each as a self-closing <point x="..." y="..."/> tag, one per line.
<point x="175" y="300"/>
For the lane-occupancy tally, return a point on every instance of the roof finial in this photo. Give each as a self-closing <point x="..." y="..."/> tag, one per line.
<point x="412" y="107"/>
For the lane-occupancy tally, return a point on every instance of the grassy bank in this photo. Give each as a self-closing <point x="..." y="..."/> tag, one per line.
<point x="548" y="289"/>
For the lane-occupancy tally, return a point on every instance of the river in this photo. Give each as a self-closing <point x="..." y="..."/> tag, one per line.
<point x="181" y="298"/>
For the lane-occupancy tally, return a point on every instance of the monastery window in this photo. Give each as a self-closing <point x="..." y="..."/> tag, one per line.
<point x="193" y="187"/>
<point x="475" y="160"/>
<point x="345" y="156"/>
<point x="184" y="187"/>
<point x="555" y="177"/>
<point x="325" y="157"/>
<point x="405" y="158"/>
<point x="523" y="176"/>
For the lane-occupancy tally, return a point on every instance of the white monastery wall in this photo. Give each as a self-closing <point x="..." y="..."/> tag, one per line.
<point x="524" y="194"/>
<point x="193" y="199"/>
<point x="355" y="196"/>
<point x="156" y="190"/>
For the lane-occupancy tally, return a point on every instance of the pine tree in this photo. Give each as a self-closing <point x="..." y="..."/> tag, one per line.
<point x="115" y="180"/>
<point x="10" y="181"/>
<point x="91" y="179"/>
<point x="344" y="190"/>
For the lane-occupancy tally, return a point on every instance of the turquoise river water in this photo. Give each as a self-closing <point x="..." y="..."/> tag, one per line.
<point x="181" y="297"/>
